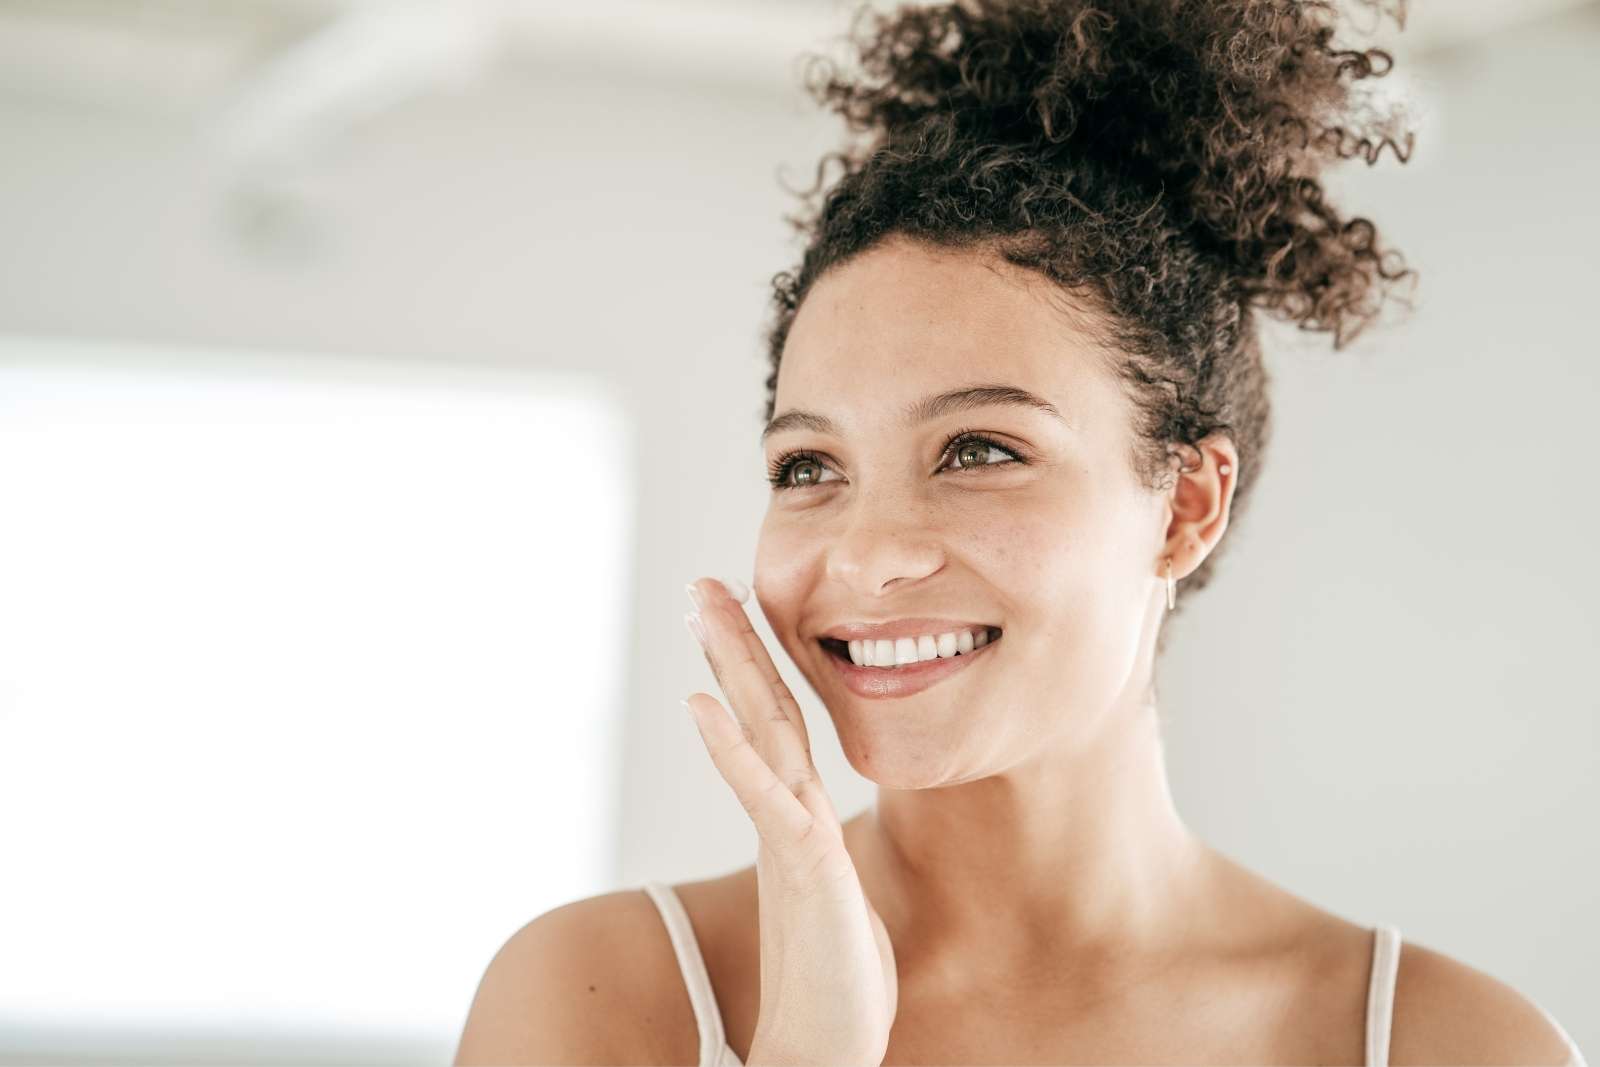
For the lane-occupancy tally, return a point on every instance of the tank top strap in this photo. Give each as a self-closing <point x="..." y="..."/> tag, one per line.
<point x="708" y="1018"/>
<point x="1380" y="1002"/>
<point x="1380" y="993"/>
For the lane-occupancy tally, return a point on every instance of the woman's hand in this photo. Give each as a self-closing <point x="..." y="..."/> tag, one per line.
<point x="828" y="985"/>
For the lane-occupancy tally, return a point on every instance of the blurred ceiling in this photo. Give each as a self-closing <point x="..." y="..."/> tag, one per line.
<point x="276" y="74"/>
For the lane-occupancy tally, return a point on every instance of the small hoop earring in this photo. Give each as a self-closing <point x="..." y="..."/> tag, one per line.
<point x="1172" y="587"/>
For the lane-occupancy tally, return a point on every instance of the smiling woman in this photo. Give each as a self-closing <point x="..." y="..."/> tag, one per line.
<point x="1016" y="397"/>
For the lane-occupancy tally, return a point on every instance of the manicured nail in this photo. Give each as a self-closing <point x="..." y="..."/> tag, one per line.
<point x="695" y="595"/>
<point x="736" y="589"/>
<point x="696" y="627"/>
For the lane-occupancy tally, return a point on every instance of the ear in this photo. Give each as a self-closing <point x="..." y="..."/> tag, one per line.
<point x="1198" y="503"/>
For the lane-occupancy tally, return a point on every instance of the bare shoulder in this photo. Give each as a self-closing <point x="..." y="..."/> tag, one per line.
<point x="594" y="981"/>
<point x="1446" y="1011"/>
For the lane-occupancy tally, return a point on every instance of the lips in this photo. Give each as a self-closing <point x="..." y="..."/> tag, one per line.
<point x="880" y="683"/>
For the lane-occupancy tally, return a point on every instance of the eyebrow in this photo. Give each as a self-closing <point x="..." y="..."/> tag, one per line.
<point x="929" y="407"/>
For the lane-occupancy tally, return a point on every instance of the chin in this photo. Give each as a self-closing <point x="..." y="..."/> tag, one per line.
<point x="901" y="756"/>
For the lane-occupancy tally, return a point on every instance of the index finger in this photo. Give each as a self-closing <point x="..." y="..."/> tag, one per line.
<point x="756" y="692"/>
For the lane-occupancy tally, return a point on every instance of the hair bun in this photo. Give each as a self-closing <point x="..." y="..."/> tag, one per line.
<point x="1206" y="120"/>
<point x="1162" y="158"/>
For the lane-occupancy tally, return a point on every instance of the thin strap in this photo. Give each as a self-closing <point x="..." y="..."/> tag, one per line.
<point x="707" y="1018"/>
<point x="1380" y="993"/>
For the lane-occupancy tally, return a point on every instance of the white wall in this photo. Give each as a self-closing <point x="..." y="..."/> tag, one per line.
<point x="1382" y="704"/>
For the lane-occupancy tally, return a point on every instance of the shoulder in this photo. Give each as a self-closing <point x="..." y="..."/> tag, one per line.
<point x="594" y="981"/>
<point x="1446" y="1011"/>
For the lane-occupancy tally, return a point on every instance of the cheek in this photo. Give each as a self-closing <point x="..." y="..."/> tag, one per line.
<point x="1022" y="544"/>
<point x="1084" y="593"/>
<point x="1062" y="557"/>
<point x="786" y="560"/>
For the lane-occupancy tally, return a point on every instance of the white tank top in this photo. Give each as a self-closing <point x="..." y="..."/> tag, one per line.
<point x="716" y="1052"/>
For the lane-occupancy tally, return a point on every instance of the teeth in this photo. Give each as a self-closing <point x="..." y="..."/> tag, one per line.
<point x="906" y="650"/>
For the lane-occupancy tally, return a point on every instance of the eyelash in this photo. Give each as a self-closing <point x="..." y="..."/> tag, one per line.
<point x="778" y="470"/>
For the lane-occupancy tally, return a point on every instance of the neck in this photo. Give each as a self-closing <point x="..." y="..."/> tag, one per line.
<point x="1078" y="855"/>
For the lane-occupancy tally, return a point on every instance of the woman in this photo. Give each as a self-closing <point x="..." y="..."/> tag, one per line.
<point x="1017" y="396"/>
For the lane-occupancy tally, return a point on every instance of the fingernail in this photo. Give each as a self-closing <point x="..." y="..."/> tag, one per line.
<point x="687" y="708"/>
<point x="696" y="627"/>
<point x="695" y="595"/>
<point x="736" y="589"/>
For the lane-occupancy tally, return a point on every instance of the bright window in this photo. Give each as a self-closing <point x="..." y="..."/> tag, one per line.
<point x="310" y="683"/>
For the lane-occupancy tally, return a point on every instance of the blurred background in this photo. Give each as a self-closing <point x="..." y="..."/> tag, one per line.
<point x="373" y="376"/>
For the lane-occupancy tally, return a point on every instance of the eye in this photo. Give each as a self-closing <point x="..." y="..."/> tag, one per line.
<point x="806" y="466"/>
<point x="971" y="451"/>
<point x="977" y="447"/>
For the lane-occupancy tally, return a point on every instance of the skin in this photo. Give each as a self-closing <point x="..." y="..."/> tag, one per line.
<point x="1023" y="810"/>
<point x="1024" y="824"/>
<point x="1045" y="901"/>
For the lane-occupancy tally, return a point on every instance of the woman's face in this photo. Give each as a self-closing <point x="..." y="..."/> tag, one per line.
<point x="1041" y="530"/>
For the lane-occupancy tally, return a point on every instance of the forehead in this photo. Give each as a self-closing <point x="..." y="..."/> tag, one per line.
<point x="903" y="320"/>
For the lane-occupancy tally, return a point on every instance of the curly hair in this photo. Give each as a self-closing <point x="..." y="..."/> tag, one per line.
<point x="1158" y="159"/>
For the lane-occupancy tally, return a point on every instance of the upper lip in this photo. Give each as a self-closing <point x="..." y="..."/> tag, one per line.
<point x="884" y="631"/>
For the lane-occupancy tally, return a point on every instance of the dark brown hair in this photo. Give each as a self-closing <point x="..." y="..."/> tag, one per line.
<point x="1158" y="159"/>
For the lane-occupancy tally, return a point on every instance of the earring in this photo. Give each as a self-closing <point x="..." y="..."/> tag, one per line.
<point x="1224" y="469"/>
<point x="1172" y="587"/>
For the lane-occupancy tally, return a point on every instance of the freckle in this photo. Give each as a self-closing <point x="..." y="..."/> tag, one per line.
<point x="591" y="989"/>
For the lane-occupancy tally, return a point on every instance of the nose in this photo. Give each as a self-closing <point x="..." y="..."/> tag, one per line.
<point x="884" y="546"/>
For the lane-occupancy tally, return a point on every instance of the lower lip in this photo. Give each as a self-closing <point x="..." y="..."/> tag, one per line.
<point x="883" y="683"/>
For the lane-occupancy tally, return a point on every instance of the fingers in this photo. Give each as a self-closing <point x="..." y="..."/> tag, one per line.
<point x="769" y="672"/>
<point x="779" y="817"/>
<point x="759" y="698"/>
